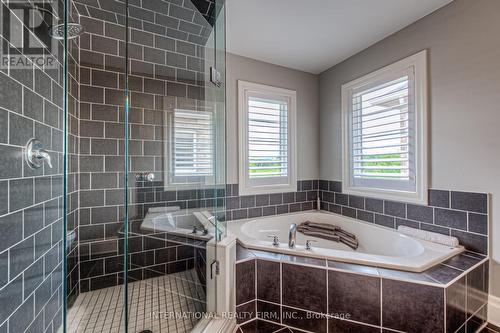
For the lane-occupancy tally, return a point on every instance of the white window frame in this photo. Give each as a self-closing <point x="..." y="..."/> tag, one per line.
<point x="418" y="64"/>
<point x="244" y="89"/>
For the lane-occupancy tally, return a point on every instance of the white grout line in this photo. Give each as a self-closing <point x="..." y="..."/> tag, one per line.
<point x="255" y="282"/>
<point x="445" y="308"/>
<point x="381" y="303"/>
<point x="281" y="292"/>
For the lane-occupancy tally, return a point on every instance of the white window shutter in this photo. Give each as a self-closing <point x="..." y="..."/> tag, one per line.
<point x="267" y="138"/>
<point x="267" y="121"/>
<point x="382" y="134"/>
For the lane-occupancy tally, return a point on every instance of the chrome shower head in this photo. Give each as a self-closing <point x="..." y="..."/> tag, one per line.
<point x="74" y="30"/>
<point x="57" y="31"/>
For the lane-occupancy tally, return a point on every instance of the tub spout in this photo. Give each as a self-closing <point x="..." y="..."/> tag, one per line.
<point x="292" y="235"/>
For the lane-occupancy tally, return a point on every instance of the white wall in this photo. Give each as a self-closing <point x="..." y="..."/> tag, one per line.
<point x="307" y="87"/>
<point x="463" y="40"/>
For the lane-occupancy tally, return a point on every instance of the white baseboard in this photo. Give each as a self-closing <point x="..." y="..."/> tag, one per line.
<point x="494" y="310"/>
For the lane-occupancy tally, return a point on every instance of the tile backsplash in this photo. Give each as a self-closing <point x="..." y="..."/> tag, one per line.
<point x="248" y="206"/>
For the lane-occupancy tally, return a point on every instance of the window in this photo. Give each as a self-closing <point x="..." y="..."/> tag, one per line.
<point x="384" y="132"/>
<point x="267" y="139"/>
<point x="191" y="147"/>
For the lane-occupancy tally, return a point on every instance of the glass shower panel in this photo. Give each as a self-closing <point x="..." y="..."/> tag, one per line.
<point x="32" y="127"/>
<point x="219" y="99"/>
<point x="176" y="171"/>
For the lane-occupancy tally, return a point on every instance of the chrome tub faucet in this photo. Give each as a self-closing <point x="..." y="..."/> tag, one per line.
<point x="292" y="235"/>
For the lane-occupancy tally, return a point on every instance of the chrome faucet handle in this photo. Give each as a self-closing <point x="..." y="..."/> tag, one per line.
<point x="276" y="241"/>
<point x="145" y="177"/>
<point x="308" y="244"/>
<point x="43" y="155"/>
<point x="35" y="154"/>
<point x="202" y="229"/>
<point x="292" y="235"/>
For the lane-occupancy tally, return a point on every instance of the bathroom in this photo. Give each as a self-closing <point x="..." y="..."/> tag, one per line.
<point x="249" y="166"/>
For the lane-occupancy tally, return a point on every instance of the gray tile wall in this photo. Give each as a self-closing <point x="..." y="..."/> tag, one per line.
<point x="460" y="214"/>
<point x="249" y="206"/>
<point x="31" y="220"/>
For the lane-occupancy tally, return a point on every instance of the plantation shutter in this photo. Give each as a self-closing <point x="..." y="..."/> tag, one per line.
<point x="192" y="144"/>
<point x="267" y="139"/>
<point x="268" y="152"/>
<point x="382" y="140"/>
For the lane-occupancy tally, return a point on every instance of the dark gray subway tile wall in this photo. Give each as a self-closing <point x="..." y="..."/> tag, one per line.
<point x="460" y="214"/>
<point x="249" y="206"/>
<point x="31" y="208"/>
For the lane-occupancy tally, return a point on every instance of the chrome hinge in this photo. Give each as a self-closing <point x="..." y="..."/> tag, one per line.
<point x="215" y="76"/>
<point x="215" y="265"/>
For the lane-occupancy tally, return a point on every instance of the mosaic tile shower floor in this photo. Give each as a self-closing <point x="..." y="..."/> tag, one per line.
<point x="162" y="304"/>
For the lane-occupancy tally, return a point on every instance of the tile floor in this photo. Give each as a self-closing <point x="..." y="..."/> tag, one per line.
<point x="166" y="304"/>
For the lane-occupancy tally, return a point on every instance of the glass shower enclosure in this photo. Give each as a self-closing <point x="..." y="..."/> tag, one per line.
<point x="112" y="164"/>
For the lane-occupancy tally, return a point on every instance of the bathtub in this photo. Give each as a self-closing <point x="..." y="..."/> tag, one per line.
<point x="378" y="246"/>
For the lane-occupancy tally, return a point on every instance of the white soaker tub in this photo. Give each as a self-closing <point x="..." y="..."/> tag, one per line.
<point x="378" y="246"/>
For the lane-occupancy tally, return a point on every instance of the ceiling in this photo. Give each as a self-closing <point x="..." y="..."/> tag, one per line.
<point x="313" y="35"/>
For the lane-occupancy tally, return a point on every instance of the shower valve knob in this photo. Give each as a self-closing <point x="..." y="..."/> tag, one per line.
<point x="276" y="241"/>
<point x="36" y="155"/>
<point x="308" y="244"/>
